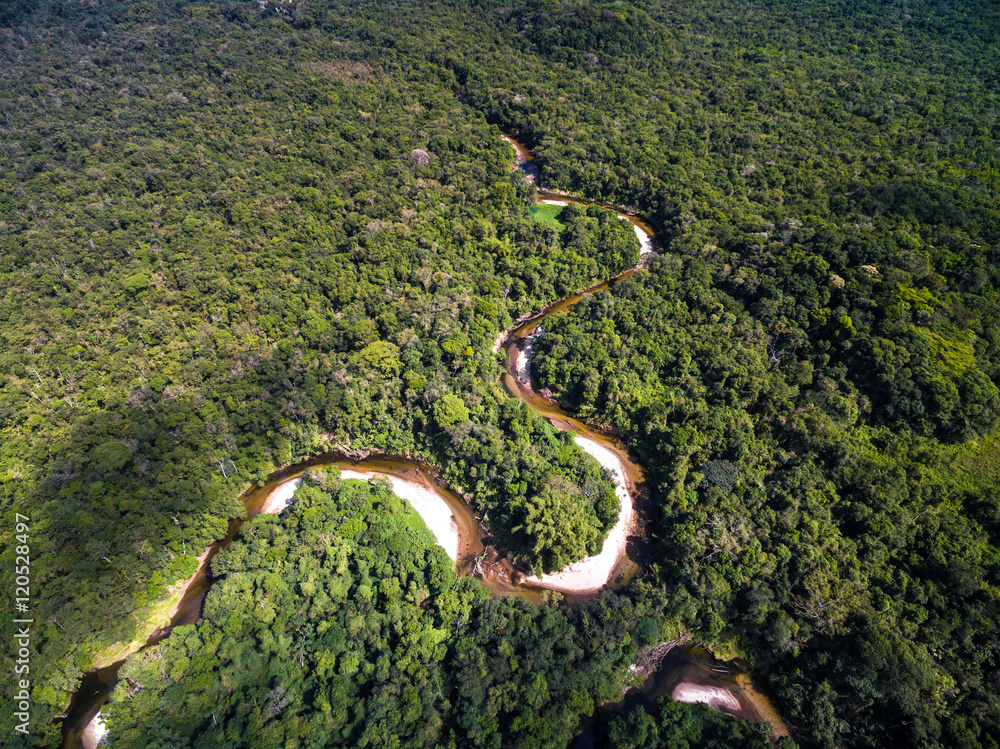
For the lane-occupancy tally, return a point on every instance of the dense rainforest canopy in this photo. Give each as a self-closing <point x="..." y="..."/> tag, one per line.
<point x="235" y="234"/>
<point x="400" y="650"/>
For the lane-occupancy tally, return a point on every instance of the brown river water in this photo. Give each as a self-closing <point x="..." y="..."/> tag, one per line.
<point x="688" y="672"/>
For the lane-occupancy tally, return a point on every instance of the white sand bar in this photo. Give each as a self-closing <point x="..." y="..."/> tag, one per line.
<point x="553" y="202"/>
<point x="433" y="509"/>
<point x="715" y="697"/>
<point x="592" y="573"/>
<point x="281" y="497"/>
<point x="645" y="240"/>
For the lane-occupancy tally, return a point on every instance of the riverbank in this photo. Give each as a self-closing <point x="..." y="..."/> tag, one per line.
<point x="433" y="510"/>
<point x="159" y="617"/>
<point x="679" y="669"/>
<point x="593" y="573"/>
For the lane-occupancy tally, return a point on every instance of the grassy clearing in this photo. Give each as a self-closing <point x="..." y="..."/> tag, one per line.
<point x="979" y="461"/>
<point x="158" y="616"/>
<point x="549" y="214"/>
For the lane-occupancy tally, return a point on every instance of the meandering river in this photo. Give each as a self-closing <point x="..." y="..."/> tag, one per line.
<point x="690" y="674"/>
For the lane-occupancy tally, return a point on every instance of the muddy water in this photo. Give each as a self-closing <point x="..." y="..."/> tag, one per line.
<point x="689" y="673"/>
<point x="517" y="383"/>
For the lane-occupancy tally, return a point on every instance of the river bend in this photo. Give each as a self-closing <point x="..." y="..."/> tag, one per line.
<point x="457" y="529"/>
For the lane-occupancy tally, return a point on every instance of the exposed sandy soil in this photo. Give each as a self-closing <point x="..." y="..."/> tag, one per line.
<point x="645" y="240"/>
<point x="593" y="573"/>
<point x="281" y="497"/>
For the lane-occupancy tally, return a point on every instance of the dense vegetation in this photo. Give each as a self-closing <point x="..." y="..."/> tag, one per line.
<point x="674" y="725"/>
<point x="340" y="623"/>
<point x="233" y="235"/>
<point x="795" y="369"/>
<point x="857" y="561"/>
<point x="211" y="259"/>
